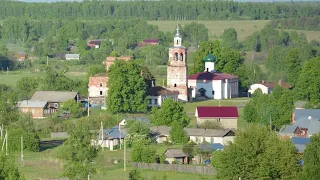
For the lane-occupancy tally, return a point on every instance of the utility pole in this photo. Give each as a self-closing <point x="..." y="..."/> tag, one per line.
<point x="88" y="106"/>
<point x="22" y="162"/>
<point x="102" y="136"/>
<point x="6" y="142"/>
<point x="47" y="60"/>
<point x="119" y="130"/>
<point x="124" y="159"/>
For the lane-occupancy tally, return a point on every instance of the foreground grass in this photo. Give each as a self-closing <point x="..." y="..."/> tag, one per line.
<point x="244" y="27"/>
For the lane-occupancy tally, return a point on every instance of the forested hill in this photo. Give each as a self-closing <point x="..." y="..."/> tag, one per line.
<point x="158" y="10"/>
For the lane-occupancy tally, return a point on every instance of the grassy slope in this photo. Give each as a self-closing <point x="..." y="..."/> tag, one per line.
<point x="244" y="27"/>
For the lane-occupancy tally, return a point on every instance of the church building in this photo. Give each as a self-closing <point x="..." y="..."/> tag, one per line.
<point x="213" y="84"/>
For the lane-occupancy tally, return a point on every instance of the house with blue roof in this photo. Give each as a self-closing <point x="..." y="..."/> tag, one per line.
<point x="112" y="137"/>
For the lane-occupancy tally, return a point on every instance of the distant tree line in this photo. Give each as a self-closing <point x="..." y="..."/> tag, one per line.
<point x="158" y="10"/>
<point x="300" y="23"/>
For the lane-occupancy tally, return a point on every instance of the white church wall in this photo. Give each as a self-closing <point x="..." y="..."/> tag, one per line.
<point x="218" y="89"/>
<point x="209" y="66"/>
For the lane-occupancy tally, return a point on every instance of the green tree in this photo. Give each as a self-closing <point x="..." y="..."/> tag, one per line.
<point x="293" y="66"/>
<point x="31" y="140"/>
<point x="141" y="153"/>
<point x="257" y="153"/>
<point x="79" y="153"/>
<point x="195" y="33"/>
<point x="127" y="88"/>
<point x="230" y="61"/>
<point x="308" y="83"/>
<point x="189" y="148"/>
<point x="3" y="49"/>
<point x="230" y="38"/>
<point x="8" y="168"/>
<point x="138" y="127"/>
<point x="8" y="110"/>
<point x="27" y="86"/>
<point x="169" y="112"/>
<point x="72" y="107"/>
<point x="177" y="134"/>
<point x="311" y="159"/>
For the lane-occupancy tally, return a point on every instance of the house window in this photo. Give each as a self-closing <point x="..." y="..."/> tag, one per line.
<point x="100" y="93"/>
<point x="212" y="92"/>
<point x="155" y="101"/>
<point x="150" y="101"/>
<point x="100" y="84"/>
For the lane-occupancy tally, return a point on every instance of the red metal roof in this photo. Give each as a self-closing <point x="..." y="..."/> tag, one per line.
<point x="217" y="112"/>
<point x="211" y="76"/>
<point x="151" y="41"/>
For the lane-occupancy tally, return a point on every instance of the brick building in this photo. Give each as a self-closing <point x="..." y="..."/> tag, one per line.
<point x="97" y="89"/>
<point x="110" y="60"/>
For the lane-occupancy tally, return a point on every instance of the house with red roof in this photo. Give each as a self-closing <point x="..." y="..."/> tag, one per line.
<point x="110" y="60"/>
<point x="213" y="84"/>
<point x="159" y="94"/>
<point x="267" y="87"/>
<point x="94" y="44"/>
<point x="227" y="116"/>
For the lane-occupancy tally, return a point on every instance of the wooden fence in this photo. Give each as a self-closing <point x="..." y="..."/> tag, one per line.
<point x="176" y="168"/>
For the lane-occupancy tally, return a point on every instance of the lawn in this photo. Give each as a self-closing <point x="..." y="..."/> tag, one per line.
<point x="244" y="27"/>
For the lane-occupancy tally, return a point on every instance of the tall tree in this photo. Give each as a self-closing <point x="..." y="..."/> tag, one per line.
<point x="293" y="66"/>
<point x="311" y="159"/>
<point x="27" y="86"/>
<point x="79" y="153"/>
<point x="257" y="153"/>
<point x="230" y="37"/>
<point x="8" y="169"/>
<point x="309" y="81"/>
<point x="195" y="33"/>
<point x="127" y="88"/>
<point x="170" y="112"/>
<point x="177" y="134"/>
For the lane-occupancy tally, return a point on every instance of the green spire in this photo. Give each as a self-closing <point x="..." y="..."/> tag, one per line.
<point x="209" y="58"/>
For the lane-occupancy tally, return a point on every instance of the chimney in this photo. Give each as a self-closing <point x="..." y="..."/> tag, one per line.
<point x="309" y="117"/>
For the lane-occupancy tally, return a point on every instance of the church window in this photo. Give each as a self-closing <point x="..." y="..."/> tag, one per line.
<point x="181" y="56"/>
<point x="175" y="85"/>
<point x="177" y="42"/>
<point x="212" y="92"/>
<point x="176" y="56"/>
<point x="100" y="93"/>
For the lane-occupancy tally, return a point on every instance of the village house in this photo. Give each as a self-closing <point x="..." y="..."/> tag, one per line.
<point x="72" y="56"/>
<point x="54" y="98"/>
<point x="158" y="94"/>
<point x="175" y="156"/>
<point x="38" y="109"/>
<point x="220" y="136"/>
<point x="226" y="116"/>
<point x="304" y="123"/>
<point x="148" y="42"/>
<point x="267" y="87"/>
<point x="161" y="134"/>
<point x="212" y="84"/>
<point x="98" y="89"/>
<point x="21" y="57"/>
<point x="110" y="60"/>
<point x="94" y="44"/>
<point x="111" y="137"/>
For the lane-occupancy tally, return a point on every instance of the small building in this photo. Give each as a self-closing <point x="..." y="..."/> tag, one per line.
<point x="175" y="155"/>
<point x="227" y="116"/>
<point x="110" y="60"/>
<point x="38" y="109"/>
<point x="267" y="87"/>
<point x="60" y="55"/>
<point x="54" y="98"/>
<point x="72" y="56"/>
<point x="98" y="89"/>
<point x="158" y="94"/>
<point x="94" y="44"/>
<point x="161" y="134"/>
<point x="21" y="57"/>
<point x="303" y="114"/>
<point x="212" y="136"/>
<point x="112" y="137"/>
<point x="213" y="84"/>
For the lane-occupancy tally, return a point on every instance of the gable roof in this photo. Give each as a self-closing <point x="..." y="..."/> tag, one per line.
<point x="111" y="58"/>
<point x="94" y="81"/>
<point x="160" y="130"/>
<point x="217" y="111"/>
<point x="53" y="96"/>
<point x="115" y="133"/>
<point x="174" y="153"/>
<point x="207" y="132"/>
<point x="32" y="104"/>
<point x="161" y="91"/>
<point x="273" y="84"/>
<point x="95" y="42"/>
<point x="300" y="143"/>
<point x="300" y="114"/>
<point x="211" y="76"/>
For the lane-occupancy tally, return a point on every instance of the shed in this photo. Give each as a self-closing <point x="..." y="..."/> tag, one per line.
<point x="176" y="155"/>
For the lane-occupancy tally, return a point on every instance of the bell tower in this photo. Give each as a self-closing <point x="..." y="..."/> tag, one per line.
<point x="177" y="74"/>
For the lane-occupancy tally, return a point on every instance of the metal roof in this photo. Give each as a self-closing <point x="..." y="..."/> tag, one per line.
<point x="174" y="153"/>
<point x="53" y="96"/>
<point x="300" y="114"/>
<point x="32" y="104"/>
<point x="211" y="147"/>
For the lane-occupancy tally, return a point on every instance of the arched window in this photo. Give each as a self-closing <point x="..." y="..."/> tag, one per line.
<point x="176" y="56"/>
<point x="181" y="56"/>
<point x="175" y="85"/>
<point x="177" y="42"/>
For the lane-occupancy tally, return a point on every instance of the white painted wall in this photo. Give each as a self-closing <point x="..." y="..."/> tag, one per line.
<point x="209" y="66"/>
<point x="95" y="91"/>
<point x="253" y="87"/>
<point x="160" y="100"/>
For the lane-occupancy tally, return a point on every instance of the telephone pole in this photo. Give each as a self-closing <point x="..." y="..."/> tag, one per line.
<point x="102" y="136"/>
<point x="22" y="162"/>
<point x="124" y="158"/>
<point x="6" y="142"/>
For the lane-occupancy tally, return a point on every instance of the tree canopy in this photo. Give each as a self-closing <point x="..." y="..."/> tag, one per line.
<point x="169" y="112"/>
<point x="257" y="153"/>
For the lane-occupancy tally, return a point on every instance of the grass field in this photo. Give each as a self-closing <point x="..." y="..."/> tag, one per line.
<point x="244" y="28"/>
